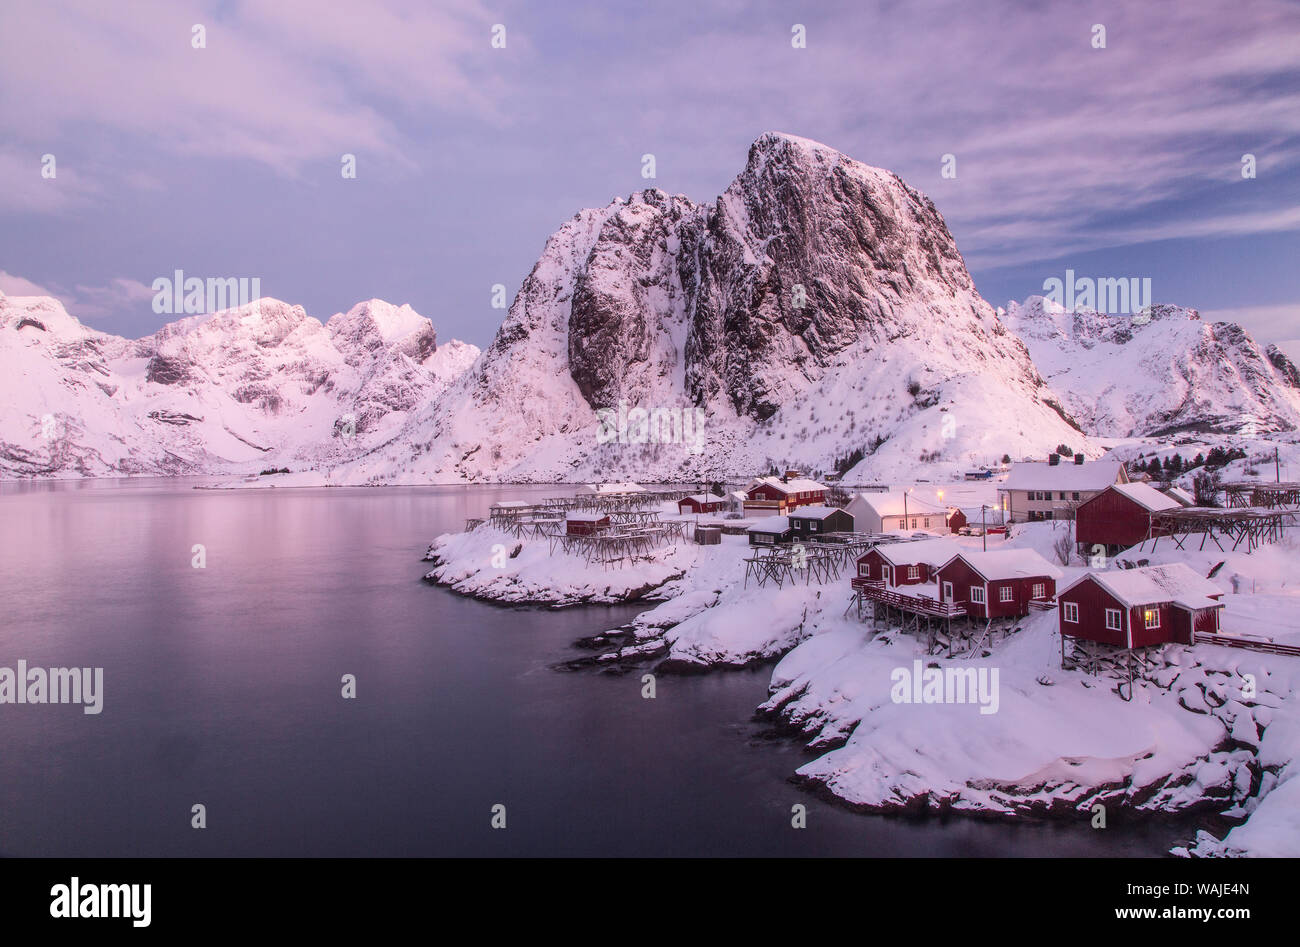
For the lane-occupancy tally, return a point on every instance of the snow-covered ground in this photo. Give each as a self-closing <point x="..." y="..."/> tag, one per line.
<point x="493" y="564"/>
<point x="1215" y="731"/>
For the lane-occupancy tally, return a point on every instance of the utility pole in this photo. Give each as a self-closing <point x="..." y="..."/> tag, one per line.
<point x="984" y="527"/>
<point x="1277" y="467"/>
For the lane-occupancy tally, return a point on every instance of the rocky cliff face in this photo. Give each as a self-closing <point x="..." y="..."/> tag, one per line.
<point x="261" y="385"/>
<point x="1160" y="373"/>
<point x="818" y="306"/>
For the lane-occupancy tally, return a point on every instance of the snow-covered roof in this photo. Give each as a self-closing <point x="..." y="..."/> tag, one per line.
<point x="1037" y="475"/>
<point x="703" y="498"/>
<point x="814" y="512"/>
<point x="1147" y="497"/>
<point x="1008" y="564"/>
<point x="1149" y="585"/>
<point x="992" y="515"/>
<point x="797" y="485"/>
<point x="771" y="524"/>
<point x="892" y="504"/>
<point x="1181" y="495"/>
<point x="930" y="551"/>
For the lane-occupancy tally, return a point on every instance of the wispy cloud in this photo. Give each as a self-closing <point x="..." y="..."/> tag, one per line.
<point x="277" y="83"/>
<point x="94" y="303"/>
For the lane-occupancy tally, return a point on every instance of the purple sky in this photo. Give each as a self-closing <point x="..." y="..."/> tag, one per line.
<point x="225" y="161"/>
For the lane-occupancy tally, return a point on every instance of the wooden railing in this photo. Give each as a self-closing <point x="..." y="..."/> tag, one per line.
<point x="875" y="591"/>
<point x="1250" y="644"/>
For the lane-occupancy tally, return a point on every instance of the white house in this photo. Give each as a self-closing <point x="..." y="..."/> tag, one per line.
<point x="896" y="512"/>
<point x="1052" y="490"/>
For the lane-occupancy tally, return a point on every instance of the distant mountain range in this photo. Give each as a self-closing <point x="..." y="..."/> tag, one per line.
<point x="240" y="390"/>
<point x="818" y="309"/>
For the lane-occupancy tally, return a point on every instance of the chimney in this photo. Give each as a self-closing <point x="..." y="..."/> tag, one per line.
<point x="1053" y="459"/>
<point x="1078" y="459"/>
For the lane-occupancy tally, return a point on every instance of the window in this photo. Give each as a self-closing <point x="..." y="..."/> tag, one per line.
<point x="1006" y="594"/>
<point x="1152" y="617"/>
<point x="926" y="522"/>
<point x="812" y="526"/>
<point x="1040" y="590"/>
<point x="1071" y="611"/>
<point x="1062" y="494"/>
<point x="914" y="572"/>
<point x="864" y="570"/>
<point x="1074" y="495"/>
<point x="977" y="594"/>
<point x="913" y="522"/>
<point x="1112" y="619"/>
<point x="762" y="538"/>
<point x="1047" y="514"/>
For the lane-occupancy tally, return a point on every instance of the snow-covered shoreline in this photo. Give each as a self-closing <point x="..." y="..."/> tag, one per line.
<point x="493" y="565"/>
<point x="1213" y="734"/>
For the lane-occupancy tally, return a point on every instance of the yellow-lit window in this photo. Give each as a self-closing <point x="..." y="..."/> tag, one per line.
<point x="1152" y="617"/>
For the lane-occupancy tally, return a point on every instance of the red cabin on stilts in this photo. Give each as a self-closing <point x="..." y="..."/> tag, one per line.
<point x="1135" y="608"/>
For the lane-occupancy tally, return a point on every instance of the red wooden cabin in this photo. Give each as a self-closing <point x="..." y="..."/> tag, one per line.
<point x="999" y="584"/>
<point x="781" y="495"/>
<point x="1134" y="608"/>
<point x="1120" y="516"/>
<point x="907" y="563"/>
<point x="585" y="524"/>
<point x="701" y="503"/>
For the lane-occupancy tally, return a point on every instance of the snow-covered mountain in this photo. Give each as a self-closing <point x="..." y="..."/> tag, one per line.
<point x="1164" y="372"/>
<point x="261" y="385"/>
<point x="817" y="307"/>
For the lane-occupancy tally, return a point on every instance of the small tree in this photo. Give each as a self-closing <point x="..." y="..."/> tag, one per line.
<point x="1063" y="541"/>
<point x="1064" y="450"/>
<point x="1205" y="488"/>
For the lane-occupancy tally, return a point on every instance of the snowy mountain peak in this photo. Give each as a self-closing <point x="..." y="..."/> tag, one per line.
<point x="264" y="384"/>
<point x="43" y="319"/>
<point x="391" y="322"/>
<point x="1157" y="372"/>
<point x="817" y="307"/>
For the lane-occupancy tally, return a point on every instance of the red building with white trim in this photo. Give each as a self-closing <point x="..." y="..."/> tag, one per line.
<point x="1120" y="516"/>
<point x="701" y="503"/>
<point x="907" y="563"/>
<point x="999" y="584"/>
<point x="1135" y="608"/>
<point x="780" y="495"/>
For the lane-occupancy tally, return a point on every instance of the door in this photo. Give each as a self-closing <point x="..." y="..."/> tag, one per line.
<point x="947" y="591"/>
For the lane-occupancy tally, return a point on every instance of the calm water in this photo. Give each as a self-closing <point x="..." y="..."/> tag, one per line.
<point x="222" y="687"/>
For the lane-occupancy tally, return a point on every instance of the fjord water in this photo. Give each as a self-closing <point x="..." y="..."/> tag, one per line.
<point x="222" y="688"/>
